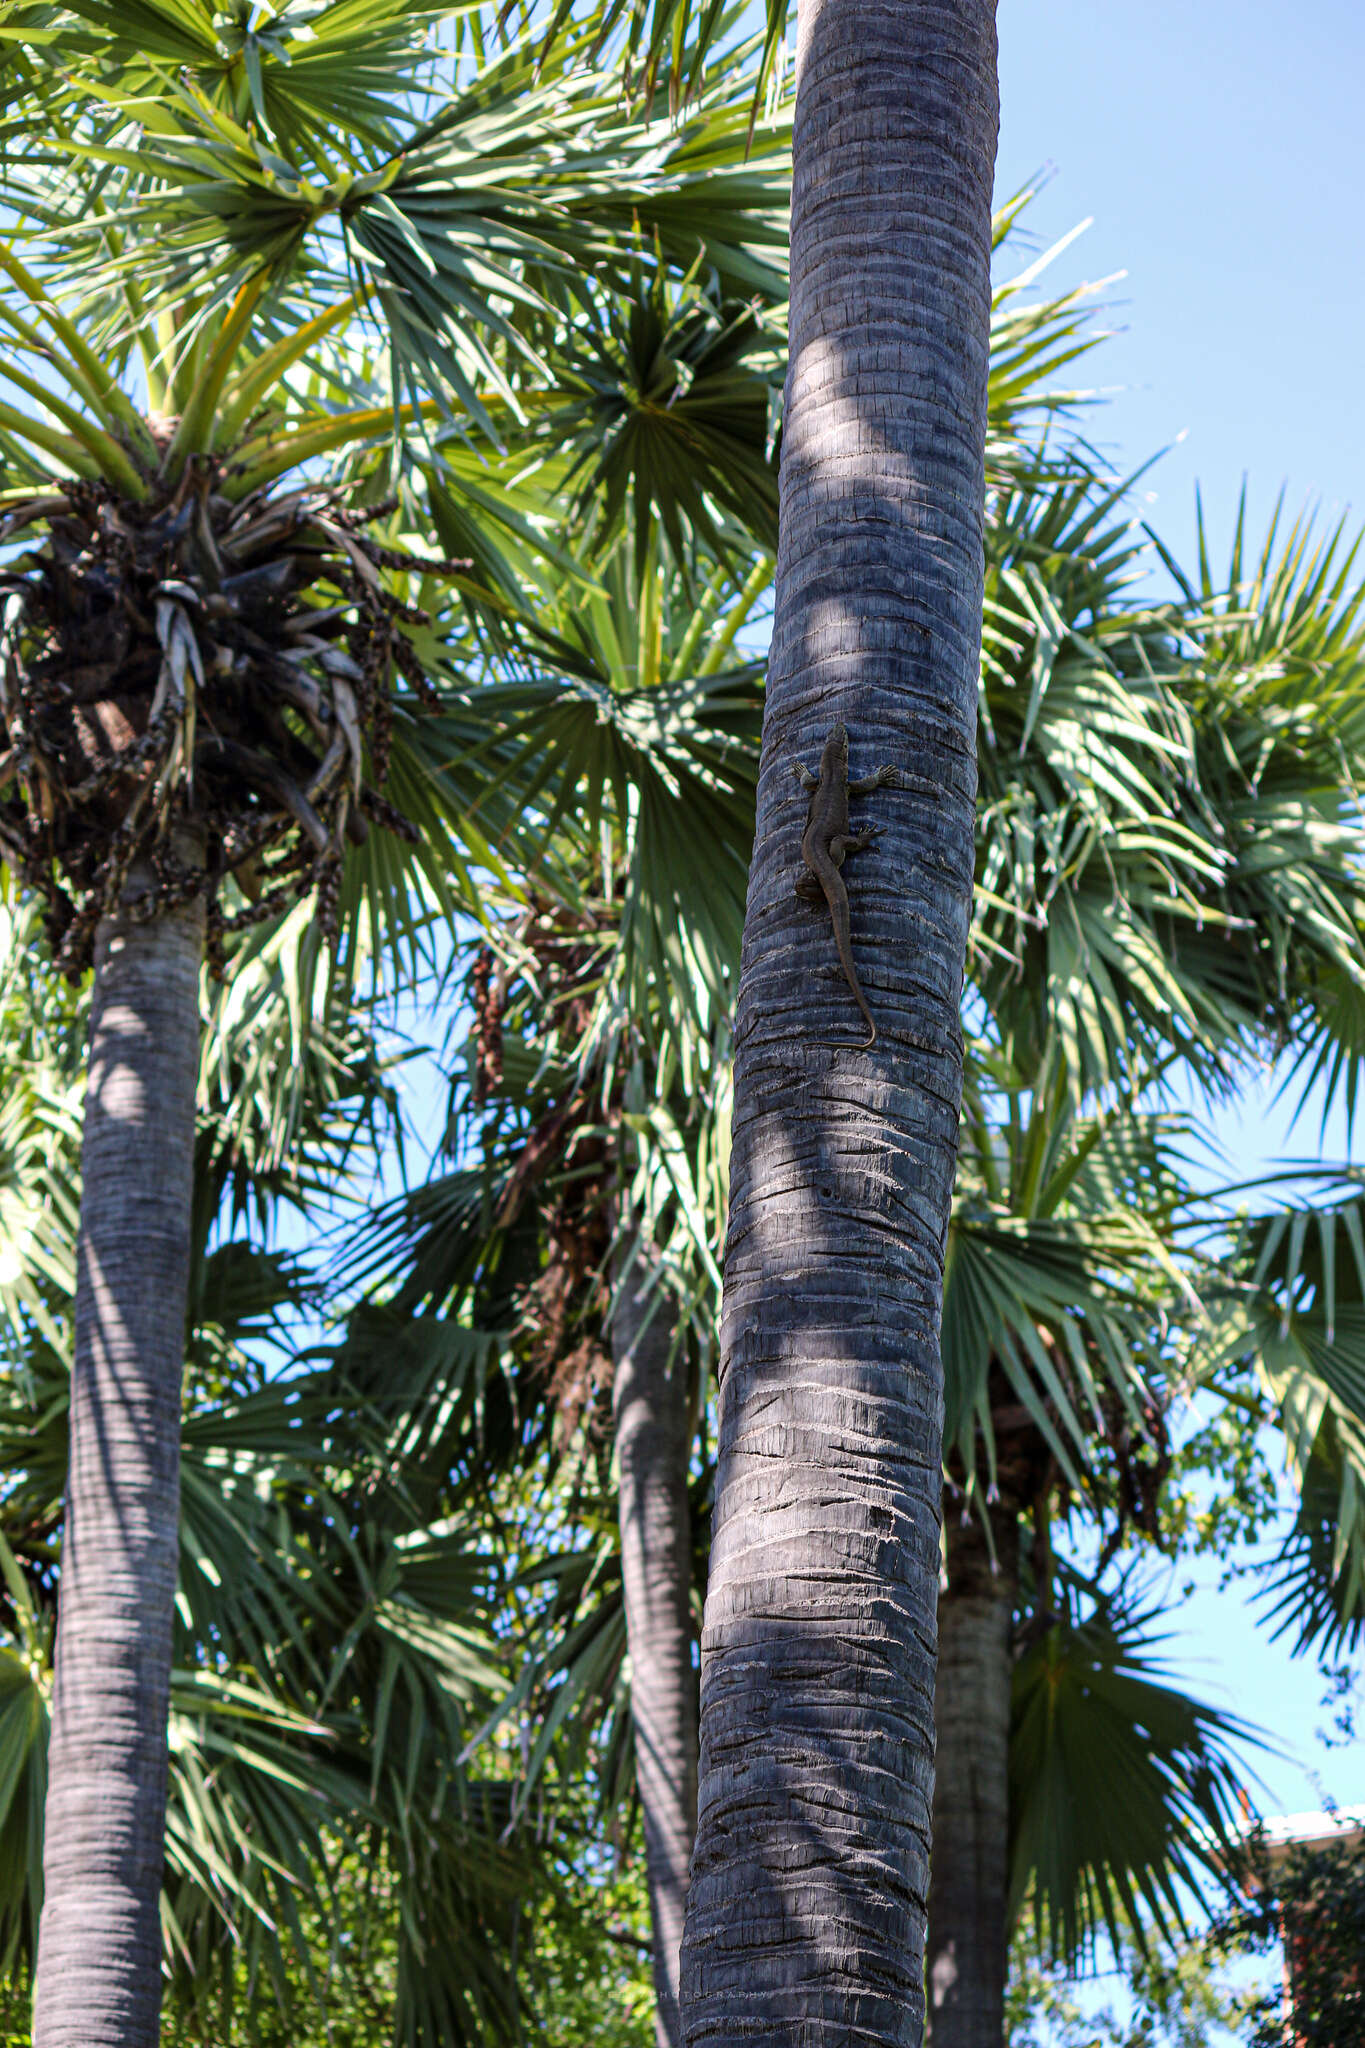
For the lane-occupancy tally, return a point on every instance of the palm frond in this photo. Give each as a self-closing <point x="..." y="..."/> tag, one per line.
<point x="466" y="236"/>
<point x="1295" y="1310"/>
<point x="1124" y="1789"/>
<point x="1167" y="861"/>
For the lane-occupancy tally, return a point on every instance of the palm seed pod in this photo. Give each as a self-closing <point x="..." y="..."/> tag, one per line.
<point x="191" y="658"/>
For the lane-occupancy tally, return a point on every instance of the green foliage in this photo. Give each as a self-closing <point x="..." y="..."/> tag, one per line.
<point x="1167" y="864"/>
<point x="40" y="1091"/>
<point x="1124" y="1791"/>
<point x="589" y="1959"/>
<point x="466" y="264"/>
<point x="1309" y="1900"/>
<point x="1061" y="1275"/>
<point x="1180" y="1996"/>
<point x="584" y="1940"/>
<point x="673" y="417"/>
<point x="1298" y="1319"/>
<point x="483" y="191"/>
<point x="208" y="283"/>
<point x="1222" y="1493"/>
<point x="672" y="41"/>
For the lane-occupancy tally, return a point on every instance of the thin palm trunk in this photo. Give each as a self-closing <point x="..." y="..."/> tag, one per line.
<point x="99" y="1957"/>
<point x="969" y="1882"/>
<point x="653" y="1442"/>
<point x="805" y="1919"/>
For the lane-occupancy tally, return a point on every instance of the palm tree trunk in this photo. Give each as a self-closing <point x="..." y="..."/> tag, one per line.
<point x="653" y="1443"/>
<point x="969" y="1877"/>
<point x="805" y="1919"/>
<point x="99" y="1954"/>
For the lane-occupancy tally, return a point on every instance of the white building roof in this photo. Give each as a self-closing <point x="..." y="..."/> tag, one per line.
<point x="1313" y="1830"/>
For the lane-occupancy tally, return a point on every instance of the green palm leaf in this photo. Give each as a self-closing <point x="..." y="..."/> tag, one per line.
<point x="1295" y="1309"/>
<point x="671" y="424"/>
<point x="1124" y="1790"/>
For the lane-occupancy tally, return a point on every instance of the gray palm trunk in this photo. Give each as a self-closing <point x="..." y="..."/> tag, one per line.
<point x="99" y="1952"/>
<point x="969" y="1880"/>
<point x="653" y="1444"/>
<point x="805" y="1919"/>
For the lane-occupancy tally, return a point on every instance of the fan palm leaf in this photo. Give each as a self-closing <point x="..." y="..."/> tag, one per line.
<point x="1293" y="1309"/>
<point x="1124" y="1789"/>
<point x="467" y="226"/>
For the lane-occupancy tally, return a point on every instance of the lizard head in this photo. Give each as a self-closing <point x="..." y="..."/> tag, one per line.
<point x="836" y="746"/>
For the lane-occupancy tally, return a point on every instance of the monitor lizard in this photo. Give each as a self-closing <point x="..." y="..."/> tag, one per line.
<point x="825" y="843"/>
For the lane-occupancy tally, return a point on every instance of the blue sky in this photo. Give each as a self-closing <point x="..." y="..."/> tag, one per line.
<point x="1217" y="147"/>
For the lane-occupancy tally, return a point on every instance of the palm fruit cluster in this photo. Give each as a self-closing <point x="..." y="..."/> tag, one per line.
<point x="197" y="661"/>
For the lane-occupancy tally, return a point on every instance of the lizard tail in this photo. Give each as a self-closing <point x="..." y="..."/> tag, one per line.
<point x="832" y="886"/>
<point x="853" y="1044"/>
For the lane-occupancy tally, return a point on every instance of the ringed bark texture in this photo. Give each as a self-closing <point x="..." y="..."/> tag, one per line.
<point x="653" y="1442"/>
<point x="806" y="1914"/>
<point x="99" y="1952"/>
<point x="969" y="1882"/>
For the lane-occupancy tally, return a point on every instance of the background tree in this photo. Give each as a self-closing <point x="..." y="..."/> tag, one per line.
<point x="308" y="1591"/>
<point x="1095" y="982"/>
<point x="136" y="737"/>
<point x="149" y="708"/>
<point x="1310" y="1900"/>
<point x="1167" y="1997"/>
